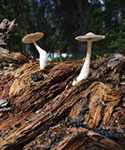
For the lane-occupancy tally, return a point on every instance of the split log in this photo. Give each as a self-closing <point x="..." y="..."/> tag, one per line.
<point x="49" y="113"/>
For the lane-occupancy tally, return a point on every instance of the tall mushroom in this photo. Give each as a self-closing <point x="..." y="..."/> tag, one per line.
<point x="89" y="37"/>
<point x="32" y="38"/>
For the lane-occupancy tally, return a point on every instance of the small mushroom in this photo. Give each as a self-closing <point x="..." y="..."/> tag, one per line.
<point x="89" y="37"/>
<point x="32" y="38"/>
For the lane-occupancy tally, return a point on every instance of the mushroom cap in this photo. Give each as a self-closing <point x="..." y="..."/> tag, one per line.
<point x="90" y="37"/>
<point x="29" y="38"/>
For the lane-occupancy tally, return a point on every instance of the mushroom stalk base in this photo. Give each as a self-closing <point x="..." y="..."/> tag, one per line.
<point x="86" y="66"/>
<point x="43" y="55"/>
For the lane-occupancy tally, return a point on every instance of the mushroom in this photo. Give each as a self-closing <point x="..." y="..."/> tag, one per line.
<point x="32" y="38"/>
<point x="89" y="37"/>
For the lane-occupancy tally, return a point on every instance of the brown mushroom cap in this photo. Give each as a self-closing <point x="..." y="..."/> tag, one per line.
<point x="29" y="38"/>
<point x="90" y="37"/>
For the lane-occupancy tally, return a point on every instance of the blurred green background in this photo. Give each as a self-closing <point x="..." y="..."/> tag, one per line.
<point x="62" y="20"/>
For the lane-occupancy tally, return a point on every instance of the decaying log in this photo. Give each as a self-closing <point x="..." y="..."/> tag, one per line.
<point x="9" y="60"/>
<point x="50" y="113"/>
<point x="41" y="110"/>
<point x="7" y="30"/>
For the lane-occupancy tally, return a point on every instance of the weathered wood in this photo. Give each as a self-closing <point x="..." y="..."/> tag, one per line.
<point x="7" y="30"/>
<point x="9" y="60"/>
<point x="43" y="111"/>
<point x="48" y="113"/>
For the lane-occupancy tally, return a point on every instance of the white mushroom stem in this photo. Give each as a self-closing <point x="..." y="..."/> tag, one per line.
<point x="86" y="66"/>
<point x="43" y="55"/>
